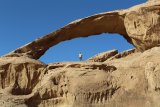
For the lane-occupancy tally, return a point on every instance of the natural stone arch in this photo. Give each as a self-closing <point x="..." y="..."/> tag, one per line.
<point x="136" y="25"/>
<point x="111" y="22"/>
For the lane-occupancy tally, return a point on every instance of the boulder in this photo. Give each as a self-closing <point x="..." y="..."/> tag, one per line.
<point x="101" y="57"/>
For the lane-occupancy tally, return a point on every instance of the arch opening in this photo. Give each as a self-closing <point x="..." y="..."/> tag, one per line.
<point x="68" y="51"/>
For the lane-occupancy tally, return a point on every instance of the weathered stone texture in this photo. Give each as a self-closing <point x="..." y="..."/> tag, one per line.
<point x="109" y="79"/>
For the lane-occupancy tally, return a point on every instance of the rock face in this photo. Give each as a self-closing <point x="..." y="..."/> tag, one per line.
<point x="131" y="80"/>
<point x="109" y="79"/>
<point x="20" y="74"/>
<point x="103" y="56"/>
<point x="145" y="28"/>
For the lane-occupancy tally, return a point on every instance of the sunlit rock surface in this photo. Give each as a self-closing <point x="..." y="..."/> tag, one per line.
<point x="109" y="79"/>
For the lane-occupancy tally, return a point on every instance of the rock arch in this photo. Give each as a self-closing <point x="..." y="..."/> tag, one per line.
<point x="111" y="22"/>
<point x="122" y="22"/>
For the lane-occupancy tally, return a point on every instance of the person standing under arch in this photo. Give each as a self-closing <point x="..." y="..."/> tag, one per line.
<point x="80" y="56"/>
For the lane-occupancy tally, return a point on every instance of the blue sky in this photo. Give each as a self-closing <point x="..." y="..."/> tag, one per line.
<point x="22" y="21"/>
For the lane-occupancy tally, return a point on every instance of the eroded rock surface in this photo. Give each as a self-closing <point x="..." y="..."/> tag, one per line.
<point x="110" y="79"/>
<point x="20" y="74"/>
<point x="131" y="80"/>
<point x="103" y="56"/>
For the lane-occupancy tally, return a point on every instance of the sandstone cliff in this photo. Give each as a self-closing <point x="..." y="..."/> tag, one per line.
<point x="131" y="80"/>
<point x="109" y="79"/>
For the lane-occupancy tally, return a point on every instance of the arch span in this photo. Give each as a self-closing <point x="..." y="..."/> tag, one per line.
<point x="139" y="25"/>
<point x="110" y="22"/>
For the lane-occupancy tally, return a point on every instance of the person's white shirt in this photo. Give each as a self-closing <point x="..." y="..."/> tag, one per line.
<point x="80" y="56"/>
